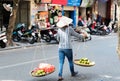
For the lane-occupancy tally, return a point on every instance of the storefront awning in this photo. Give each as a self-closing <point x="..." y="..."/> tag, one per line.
<point x="87" y="3"/>
<point x="90" y="3"/>
<point x="61" y="2"/>
<point x="84" y="3"/>
<point x="74" y="2"/>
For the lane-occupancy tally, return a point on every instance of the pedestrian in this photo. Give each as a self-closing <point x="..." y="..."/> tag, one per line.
<point x="80" y="22"/>
<point x="99" y="19"/>
<point x="65" y="47"/>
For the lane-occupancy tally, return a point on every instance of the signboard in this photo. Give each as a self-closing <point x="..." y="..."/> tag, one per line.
<point x="41" y="7"/>
<point x="74" y="2"/>
<point x="61" y="2"/>
<point x="84" y="3"/>
<point x="45" y="1"/>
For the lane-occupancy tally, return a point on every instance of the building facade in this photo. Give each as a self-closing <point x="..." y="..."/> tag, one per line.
<point x="23" y="15"/>
<point x="31" y="10"/>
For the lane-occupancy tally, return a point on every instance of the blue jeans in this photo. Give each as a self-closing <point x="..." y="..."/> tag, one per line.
<point x="69" y="54"/>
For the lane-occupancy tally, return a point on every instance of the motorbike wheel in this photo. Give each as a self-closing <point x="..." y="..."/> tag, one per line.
<point x="2" y="44"/>
<point x="83" y="39"/>
<point x="46" y="37"/>
<point x="90" y="38"/>
<point x="31" y="40"/>
<point x="104" y="32"/>
<point x="16" y="38"/>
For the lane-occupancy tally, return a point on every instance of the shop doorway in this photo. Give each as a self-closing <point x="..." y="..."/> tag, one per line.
<point x="4" y="15"/>
<point x="69" y="14"/>
<point x="72" y="15"/>
<point x="23" y="15"/>
<point x="1" y="17"/>
<point x="89" y="12"/>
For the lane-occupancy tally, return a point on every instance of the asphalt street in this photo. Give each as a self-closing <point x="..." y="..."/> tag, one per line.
<point x="16" y="64"/>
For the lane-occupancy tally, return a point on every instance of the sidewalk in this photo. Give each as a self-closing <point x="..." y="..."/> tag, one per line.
<point x="21" y="45"/>
<point x="26" y="44"/>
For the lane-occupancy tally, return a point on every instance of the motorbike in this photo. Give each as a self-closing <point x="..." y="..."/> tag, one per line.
<point x="99" y="29"/>
<point x="3" y="40"/>
<point x="35" y="32"/>
<point x="85" y="31"/>
<point x="82" y="30"/>
<point x="20" y="33"/>
<point x="49" y="34"/>
<point x="105" y="30"/>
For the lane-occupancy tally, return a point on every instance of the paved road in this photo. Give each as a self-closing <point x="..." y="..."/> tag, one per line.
<point x="16" y="64"/>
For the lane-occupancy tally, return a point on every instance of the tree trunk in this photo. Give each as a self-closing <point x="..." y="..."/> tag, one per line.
<point x="12" y="23"/>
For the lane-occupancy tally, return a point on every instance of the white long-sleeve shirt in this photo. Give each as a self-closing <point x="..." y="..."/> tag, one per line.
<point x="64" y="37"/>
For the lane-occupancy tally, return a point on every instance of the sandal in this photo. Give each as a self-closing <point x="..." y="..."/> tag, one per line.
<point x="74" y="74"/>
<point x="60" y="79"/>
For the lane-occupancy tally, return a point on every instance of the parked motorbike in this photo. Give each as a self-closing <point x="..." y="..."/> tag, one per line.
<point x="105" y="30"/>
<point x="35" y="32"/>
<point x="82" y="30"/>
<point x="85" y="31"/>
<point x="99" y="29"/>
<point x="20" y="33"/>
<point x="49" y="34"/>
<point x="3" y="40"/>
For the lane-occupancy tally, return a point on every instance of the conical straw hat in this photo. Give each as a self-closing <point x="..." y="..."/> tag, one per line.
<point x="64" y="21"/>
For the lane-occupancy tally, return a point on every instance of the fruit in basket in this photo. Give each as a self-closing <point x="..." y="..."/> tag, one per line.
<point x="43" y="69"/>
<point x="40" y="73"/>
<point x="84" y="61"/>
<point x="48" y="68"/>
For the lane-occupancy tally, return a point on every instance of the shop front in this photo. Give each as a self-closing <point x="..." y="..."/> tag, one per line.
<point x="86" y="8"/>
<point x="69" y="8"/>
<point x="39" y="12"/>
<point x="73" y="10"/>
<point x="44" y="13"/>
<point x="102" y="9"/>
<point x="4" y="14"/>
<point x="22" y="15"/>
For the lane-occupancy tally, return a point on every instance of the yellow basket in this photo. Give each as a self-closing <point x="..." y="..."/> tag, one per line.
<point x="32" y="73"/>
<point x="76" y="61"/>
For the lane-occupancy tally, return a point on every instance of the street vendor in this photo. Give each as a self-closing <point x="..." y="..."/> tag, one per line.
<point x="65" y="47"/>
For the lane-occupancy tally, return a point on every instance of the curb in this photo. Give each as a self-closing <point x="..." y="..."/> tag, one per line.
<point x="21" y="46"/>
<point x="26" y="45"/>
<point x="9" y="48"/>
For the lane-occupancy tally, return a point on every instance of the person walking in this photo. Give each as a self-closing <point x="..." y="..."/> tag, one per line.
<point x="65" y="47"/>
